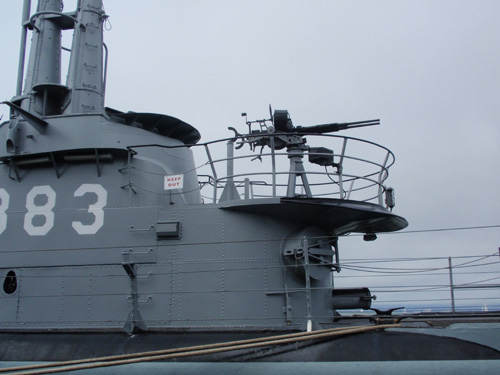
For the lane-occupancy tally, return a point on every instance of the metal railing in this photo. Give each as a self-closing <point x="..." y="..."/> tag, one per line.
<point x="340" y="168"/>
<point x="437" y="284"/>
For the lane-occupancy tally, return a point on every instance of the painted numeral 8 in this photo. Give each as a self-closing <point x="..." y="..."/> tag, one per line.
<point x="4" y="204"/>
<point x="44" y="210"/>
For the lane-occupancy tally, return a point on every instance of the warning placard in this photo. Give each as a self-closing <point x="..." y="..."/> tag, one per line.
<point x="174" y="181"/>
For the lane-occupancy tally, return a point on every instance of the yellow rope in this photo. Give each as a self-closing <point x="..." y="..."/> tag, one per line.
<point x="124" y="359"/>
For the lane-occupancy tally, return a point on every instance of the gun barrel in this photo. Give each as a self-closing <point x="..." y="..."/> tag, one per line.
<point x="334" y="127"/>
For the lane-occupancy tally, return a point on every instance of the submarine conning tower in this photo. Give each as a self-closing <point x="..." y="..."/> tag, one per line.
<point x="53" y="123"/>
<point x="107" y="223"/>
<point x="45" y="99"/>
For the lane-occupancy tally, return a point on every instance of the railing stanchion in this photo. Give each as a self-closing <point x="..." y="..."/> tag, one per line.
<point x="382" y="179"/>
<point x="340" y="169"/>
<point x="216" y="181"/>
<point x="273" y="162"/>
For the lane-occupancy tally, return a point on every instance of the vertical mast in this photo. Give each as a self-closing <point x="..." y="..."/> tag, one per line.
<point x="22" y="49"/>
<point x="44" y="67"/>
<point x="85" y="75"/>
<point x="43" y="94"/>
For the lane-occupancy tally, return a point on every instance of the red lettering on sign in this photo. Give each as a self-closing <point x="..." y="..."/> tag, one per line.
<point x="173" y="182"/>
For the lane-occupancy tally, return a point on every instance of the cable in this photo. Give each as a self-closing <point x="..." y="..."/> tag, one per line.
<point x="436" y="230"/>
<point x="407" y="270"/>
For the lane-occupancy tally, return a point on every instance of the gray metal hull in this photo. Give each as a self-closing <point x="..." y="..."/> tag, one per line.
<point x="464" y="341"/>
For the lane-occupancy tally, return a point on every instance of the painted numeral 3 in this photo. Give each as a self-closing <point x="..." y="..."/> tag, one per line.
<point x="95" y="209"/>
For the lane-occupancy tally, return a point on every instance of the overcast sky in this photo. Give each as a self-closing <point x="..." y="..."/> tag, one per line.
<point x="430" y="70"/>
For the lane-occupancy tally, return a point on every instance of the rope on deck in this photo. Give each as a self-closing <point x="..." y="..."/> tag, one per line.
<point x="124" y="359"/>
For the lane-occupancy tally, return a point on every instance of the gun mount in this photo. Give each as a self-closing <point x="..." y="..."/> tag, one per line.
<point x="286" y="134"/>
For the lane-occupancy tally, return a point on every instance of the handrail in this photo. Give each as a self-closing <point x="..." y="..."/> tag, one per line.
<point x="49" y="12"/>
<point x="269" y="172"/>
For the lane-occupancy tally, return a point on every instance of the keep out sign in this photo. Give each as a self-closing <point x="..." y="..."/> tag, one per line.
<point x="175" y="181"/>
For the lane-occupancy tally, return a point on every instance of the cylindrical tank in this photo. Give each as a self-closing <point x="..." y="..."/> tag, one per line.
<point x="351" y="298"/>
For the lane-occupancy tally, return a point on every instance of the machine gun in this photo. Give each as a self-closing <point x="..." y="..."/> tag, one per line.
<point x="285" y="134"/>
<point x="283" y="123"/>
<point x="278" y="132"/>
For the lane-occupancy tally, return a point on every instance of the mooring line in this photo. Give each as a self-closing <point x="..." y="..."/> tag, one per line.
<point x="117" y="360"/>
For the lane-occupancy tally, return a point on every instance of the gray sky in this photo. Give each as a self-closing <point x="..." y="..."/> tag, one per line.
<point x="430" y="70"/>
